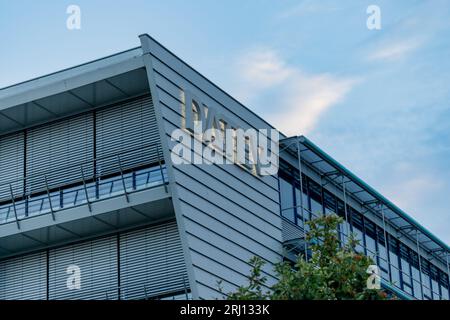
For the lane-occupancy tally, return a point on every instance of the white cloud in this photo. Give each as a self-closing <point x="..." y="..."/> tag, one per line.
<point x="395" y="50"/>
<point x="307" y="99"/>
<point x="263" y="68"/>
<point x="302" y="98"/>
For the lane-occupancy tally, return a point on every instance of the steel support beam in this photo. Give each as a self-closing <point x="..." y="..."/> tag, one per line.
<point x="123" y="180"/>
<point x="85" y="189"/>
<point x="388" y="258"/>
<point x="344" y="189"/>
<point x="300" y="171"/>
<point x="49" y="198"/>
<point x="14" y="206"/>
<point x="420" y="263"/>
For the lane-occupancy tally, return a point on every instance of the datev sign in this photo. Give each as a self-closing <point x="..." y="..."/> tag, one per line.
<point x="208" y="137"/>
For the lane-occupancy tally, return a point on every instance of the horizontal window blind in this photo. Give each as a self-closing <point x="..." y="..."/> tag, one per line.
<point x="128" y="130"/>
<point x="152" y="262"/>
<point x="97" y="261"/>
<point x="24" y="278"/>
<point x="11" y="165"/>
<point x="126" y="135"/>
<point x="56" y="151"/>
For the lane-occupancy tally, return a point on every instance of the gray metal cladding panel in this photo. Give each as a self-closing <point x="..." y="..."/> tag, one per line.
<point x="11" y="165"/>
<point x="129" y="129"/>
<point x="58" y="150"/>
<point x="228" y="214"/>
<point x="177" y="72"/>
<point x="24" y="278"/>
<point x="152" y="262"/>
<point x="97" y="261"/>
<point x="226" y="185"/>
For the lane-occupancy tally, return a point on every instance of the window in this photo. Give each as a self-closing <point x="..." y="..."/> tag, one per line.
<point x="371" y="248"/>
<point x="393" y="258"/>
<point x="426" y="279"/>
<point x="357" y="224"/>
<point x="344" y="228"/>
<point x="370" y="235"/>
<point x="340" y="209"/>
<point x="417" y="286"/>
<point x="301" y="201"/>
<point x="406" y="268"/>
<point x="357" y="219"/>
<point x="315" y="195"/>
<point x="287" y="200"/>
<point x="329" y="203"/>
<point x="383" y="261"/>
<point x="435" y="282"/>
<point x="359" y="236"/>
<point x="416" y="283"/>
<point x="443" y="281"/>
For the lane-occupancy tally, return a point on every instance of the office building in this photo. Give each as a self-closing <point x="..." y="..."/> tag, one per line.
<point x="92" y="205"/>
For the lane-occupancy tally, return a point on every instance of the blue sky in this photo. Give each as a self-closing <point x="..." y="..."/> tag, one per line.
<point x="376" y="100"/>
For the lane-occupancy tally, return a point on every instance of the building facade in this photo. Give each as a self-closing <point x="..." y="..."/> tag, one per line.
<point x="93" y="204"/>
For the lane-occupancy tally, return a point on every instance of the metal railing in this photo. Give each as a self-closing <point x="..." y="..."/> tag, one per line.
<point x="81" y="184"/>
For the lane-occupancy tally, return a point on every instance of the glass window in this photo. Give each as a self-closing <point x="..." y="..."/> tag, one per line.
<point x="404" y="262"/>
<point x="383" y="261"/>
<point x="357" y="219"/>
<point x="301" y="200"/>
<point x="395" y="272"/>
<point x="435" y="288"/>
<point x="416" y="283"/>
<point x="315" y="194"/>
<point x="435" y="282"/>
<point x="287" y="200"/>
<point x="340" y="209"/>
<point x="371" y="248"/>
<point x="443" y="279"/>
<point x="426" y="285"/>
<point x="370" y="235"/>
<point x="406" y="272"/>
<point x="357" y="229"/>
<point x="426" y="279"/>
<point x="330" y="203"/>
<point x="407" y="289"/>
<point x="344" y="231"/>
<point x="344" y="228"/>
<point x="360" y="237"/>
<point x="316" y="208"/>
<point x="393" y="259"/>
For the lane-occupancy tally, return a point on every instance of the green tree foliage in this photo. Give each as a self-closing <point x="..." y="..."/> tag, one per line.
<point x="332" y="272"/>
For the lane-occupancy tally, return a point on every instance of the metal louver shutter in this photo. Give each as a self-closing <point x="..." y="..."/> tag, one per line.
<point x="97" y="261"/>
<point x="11" y="165"/>
<point x="58" y="150"/>
<point x="24" y="278"/>
<point x="152" y="262"/>
<point x="128" y="130"/>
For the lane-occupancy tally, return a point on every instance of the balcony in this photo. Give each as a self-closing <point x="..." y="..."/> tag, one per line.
<point x="106" y="194"/>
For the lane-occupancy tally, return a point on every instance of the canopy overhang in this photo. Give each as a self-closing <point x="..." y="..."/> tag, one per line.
<point x="72" y="91"/>
<point x="368" y="197"/>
